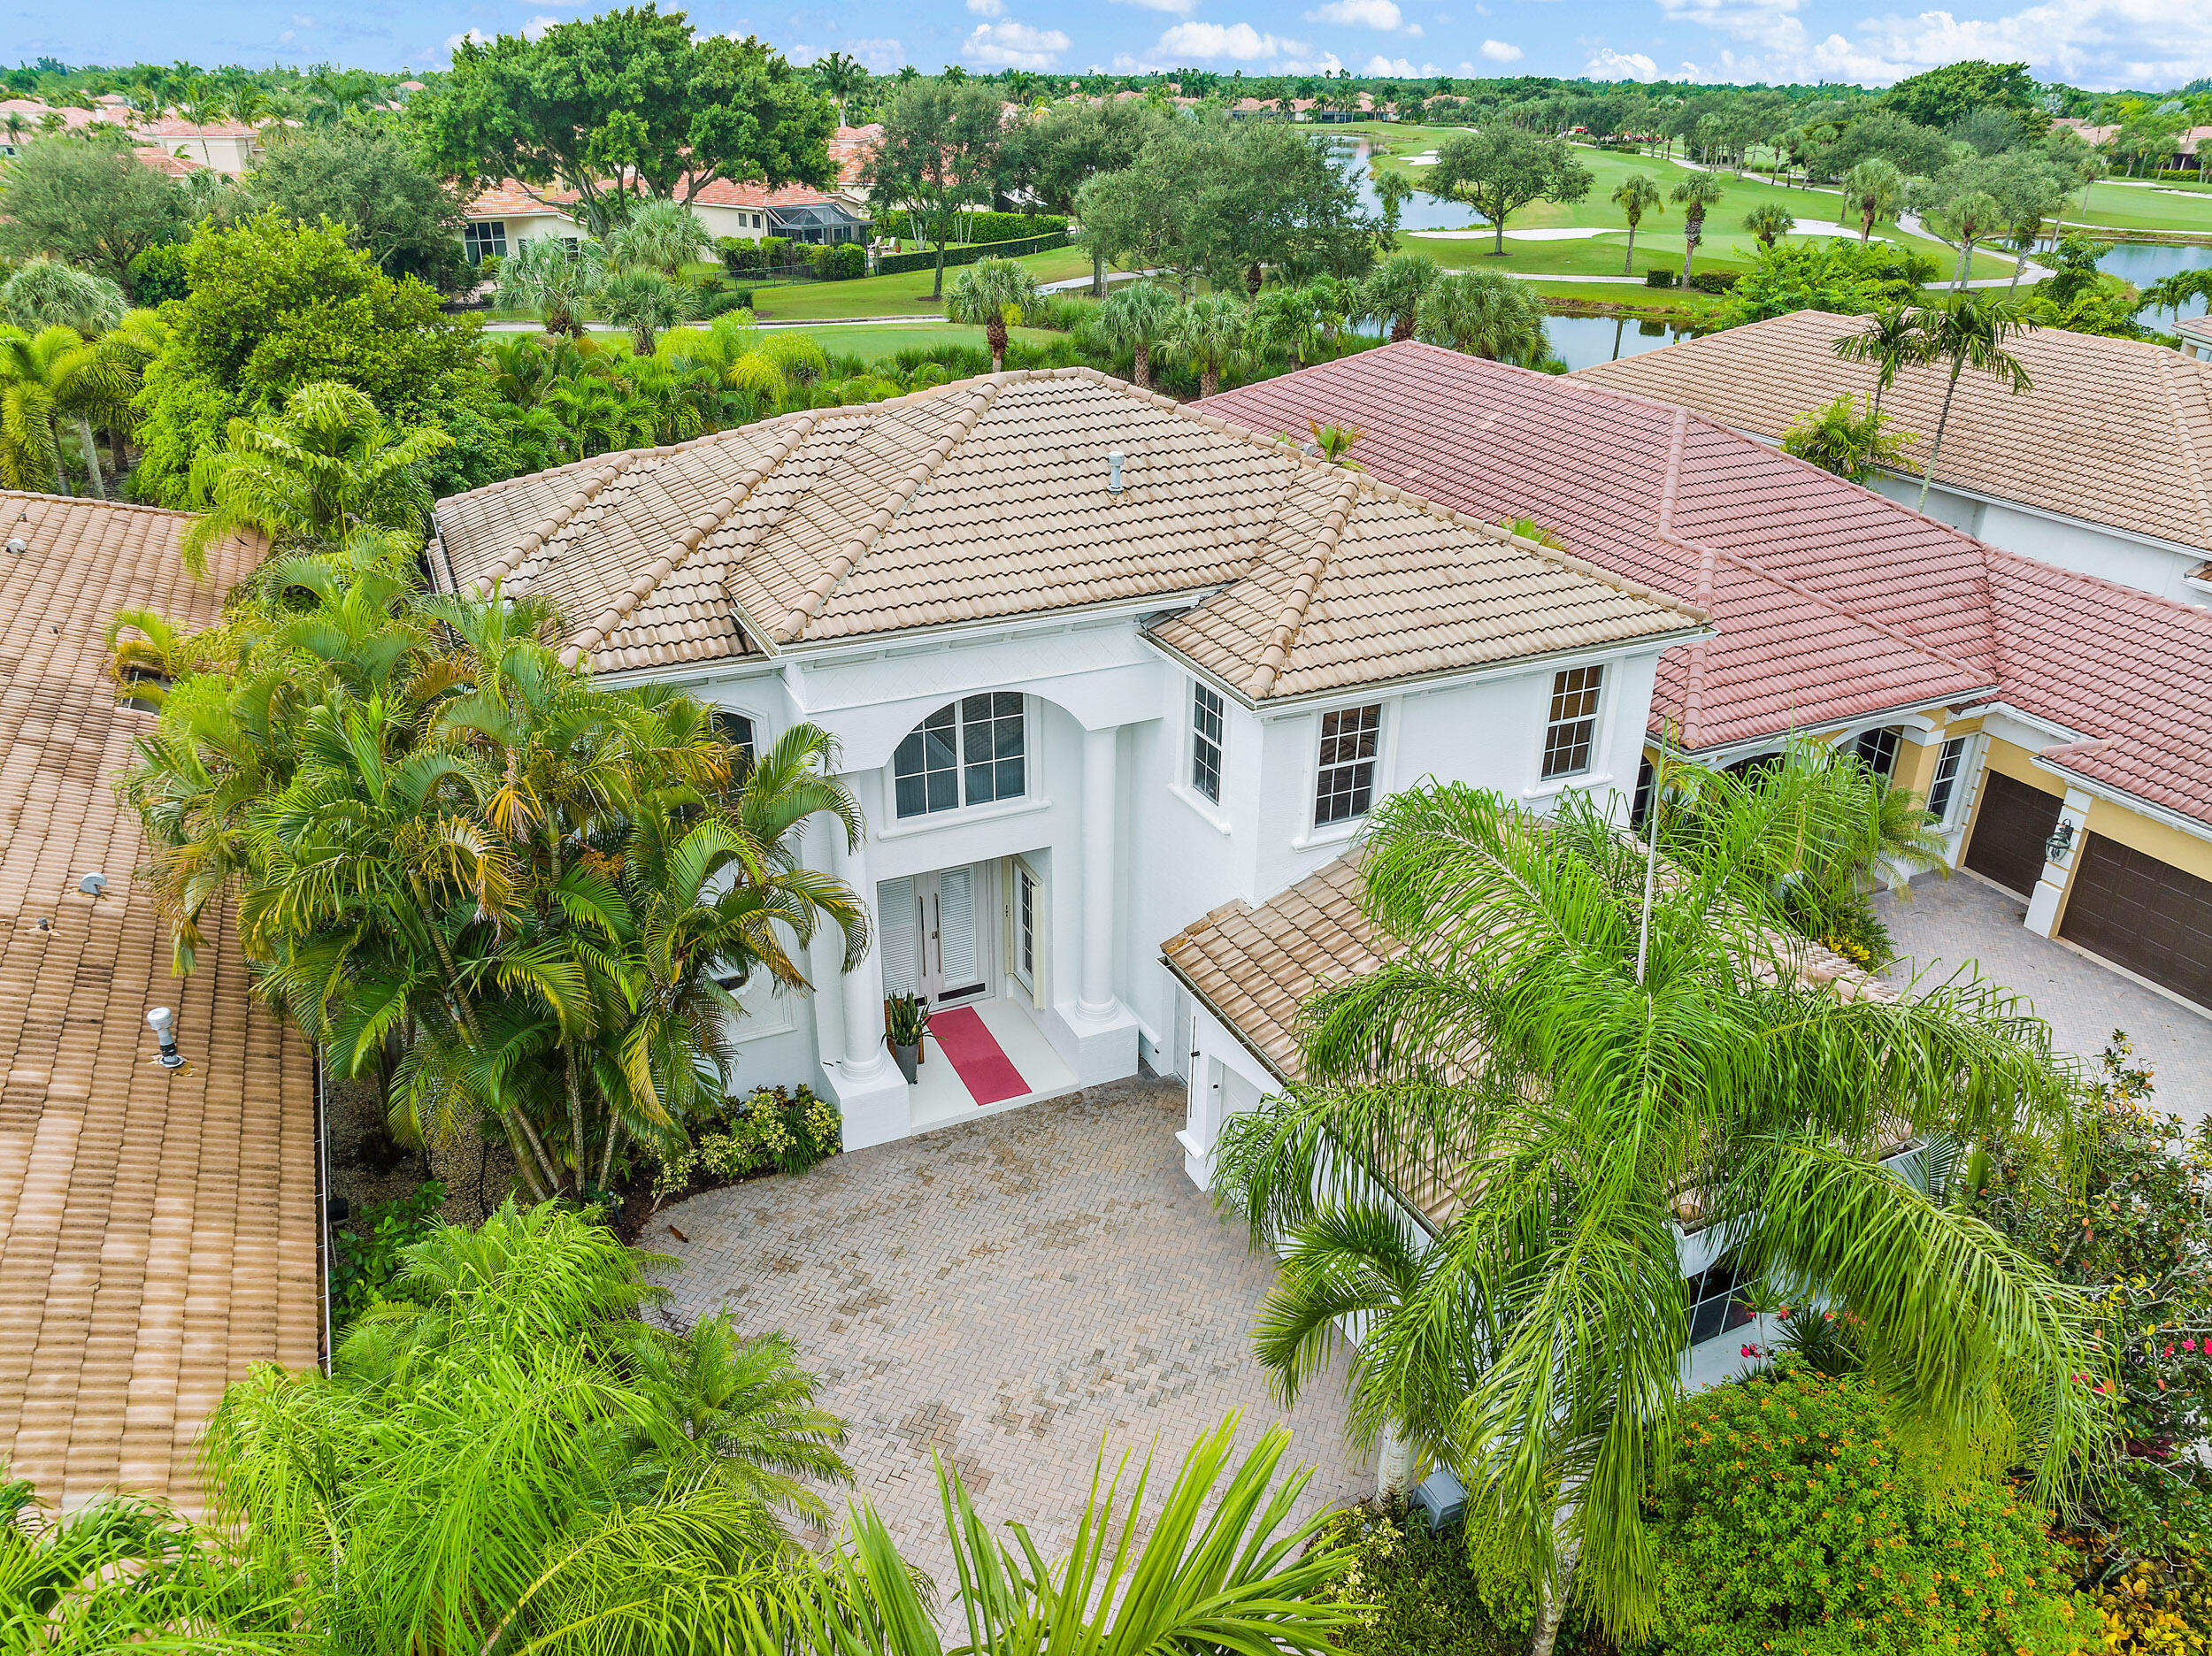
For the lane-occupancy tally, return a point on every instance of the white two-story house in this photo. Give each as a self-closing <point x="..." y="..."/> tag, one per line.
<point x="1097" y="664"/>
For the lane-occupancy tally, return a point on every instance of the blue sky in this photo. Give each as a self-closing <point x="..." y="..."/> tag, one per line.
<point x="2097" y="43"/>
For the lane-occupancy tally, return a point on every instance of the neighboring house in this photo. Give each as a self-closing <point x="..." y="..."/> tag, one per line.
<point x="1097" y="664"/>
<point x="170" y="165"/>
<point x="505" y="216"/>
<point x="2103" y="466"/>
<point x="2057" y="724"/>
<point x="159" y="1227"/>
<point x="849" y="149"/>
<point x="226" y="146"/>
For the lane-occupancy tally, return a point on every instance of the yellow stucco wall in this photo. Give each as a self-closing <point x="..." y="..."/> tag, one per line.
<point x="2181" y="850"/>
<point x="2020" y="765"/>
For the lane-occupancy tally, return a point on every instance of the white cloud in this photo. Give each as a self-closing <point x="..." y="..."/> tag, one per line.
<point x="1611" y="66"/>
<point x="988" y="8"/>
<point x="1502" y="51"/>
<point x="1375" y="14"/>
<point x="1180" y="8"/>
<point x="1238" y="41"/>
<point x="883" y="55"/>
<point x="475" y="37"/>
<point x="1400" y="67"/>
<point x="536" y="27"/>
<point x="1013" y="44"/>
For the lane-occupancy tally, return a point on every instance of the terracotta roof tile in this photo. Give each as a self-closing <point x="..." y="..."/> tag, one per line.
<point x="2113" y="431"/>
<point x="154" y="1224"/>
<point x="990" y="498"/>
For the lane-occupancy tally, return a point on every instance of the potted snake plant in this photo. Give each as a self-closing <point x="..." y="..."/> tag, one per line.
<point x="905" y="1022"/>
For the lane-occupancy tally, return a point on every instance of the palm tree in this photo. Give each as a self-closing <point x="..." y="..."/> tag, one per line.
<point x="1636" y="195"/>
<point x="658" y="235"/>
<point x="1207" y="335"/>
<point x="647" y="301"/>
<point x="546" y="279"/>
<point x="328" y="464"/>
<point x="1871" y="191"/>
<point x="1231" y="1573"/>
<point x="1967" y="332"/>
<point x="1892" y="341"/>
<point x="1978" y="215"/>
<point x="45" y="379"/>
<point x="1837" y="438"/>
<point x="1579" y="1052"/>
<point x="1694" y="195"/>
<point x="1769" y="221"/>
<point x="511" y="1457"/>
<point x="1134" y="318"/>
<point x="1392" y="291"/>
<point x="992" y="293"/>
<point x="45" y="293"/>
<point x="841" y="76"/>
<point x="1485" y="313"/>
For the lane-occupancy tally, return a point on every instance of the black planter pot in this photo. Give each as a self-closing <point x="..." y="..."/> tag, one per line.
<point x="908" y="1058"/>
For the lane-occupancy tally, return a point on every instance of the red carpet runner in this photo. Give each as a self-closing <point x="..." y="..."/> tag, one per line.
<point x="979" y="1060"/>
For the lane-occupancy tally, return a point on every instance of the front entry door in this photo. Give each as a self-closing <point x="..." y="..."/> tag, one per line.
<point x="930" y="937"/>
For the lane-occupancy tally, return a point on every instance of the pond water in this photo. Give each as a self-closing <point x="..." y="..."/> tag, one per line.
<point x="1585" y="341"/>
<point x="2143" y="262"/>
<point x="1419" y="212"/>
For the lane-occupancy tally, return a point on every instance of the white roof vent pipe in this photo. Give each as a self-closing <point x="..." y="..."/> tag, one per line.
<point x="162" y="1021"/>
<point x="1113" y="471"/>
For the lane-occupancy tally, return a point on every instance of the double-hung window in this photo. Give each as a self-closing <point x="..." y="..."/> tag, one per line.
<point x="1344" y="786"/>
<point x="1946" y="783"/>
<point x="483" y="239"/>
<point x="1205" y="742"/>
<point x="969" y="752"/>
<point x="1571" y="732"/>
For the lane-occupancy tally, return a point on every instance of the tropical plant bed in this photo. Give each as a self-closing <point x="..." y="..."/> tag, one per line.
<point x="773" y="1131"/>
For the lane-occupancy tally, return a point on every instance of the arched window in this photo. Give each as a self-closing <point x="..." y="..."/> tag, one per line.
<point x="968" y="752"/>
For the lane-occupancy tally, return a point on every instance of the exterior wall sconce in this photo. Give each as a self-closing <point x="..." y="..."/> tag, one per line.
<point x="2061" y="841"/>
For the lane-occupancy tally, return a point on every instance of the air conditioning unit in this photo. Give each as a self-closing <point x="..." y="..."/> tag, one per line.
<point x="1441" y="1499"/>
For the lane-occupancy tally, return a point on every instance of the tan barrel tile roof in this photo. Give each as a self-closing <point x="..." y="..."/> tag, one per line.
<point x="158" y="1228"/>
<point x="2113" y="431"/>
<point x="989" y="499"/>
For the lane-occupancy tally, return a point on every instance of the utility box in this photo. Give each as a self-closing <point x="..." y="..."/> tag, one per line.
<point x="1441" y="1499"/>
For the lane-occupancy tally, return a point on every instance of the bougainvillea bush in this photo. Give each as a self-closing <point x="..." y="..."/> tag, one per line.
<point x="1795" y="1522"/>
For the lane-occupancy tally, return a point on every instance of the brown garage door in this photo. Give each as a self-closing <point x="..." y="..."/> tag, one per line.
<point x="2144" y="915"/>
<point x="2009" y="830"/>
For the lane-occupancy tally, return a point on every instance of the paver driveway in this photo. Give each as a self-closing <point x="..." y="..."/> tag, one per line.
<point x="1009" y="1293"/>
<point x="1951" y="921"/>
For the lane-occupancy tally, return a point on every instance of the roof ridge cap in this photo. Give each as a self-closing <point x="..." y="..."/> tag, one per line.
<point x="1826" y="603"/>
<point x="589" y="490"/>
<point x="841" y="563"/>
<point x="88" y="500"/>
<point x="2167" y="366"/>
<point x="793" y="433"/>
<point x="1292" y="615"/>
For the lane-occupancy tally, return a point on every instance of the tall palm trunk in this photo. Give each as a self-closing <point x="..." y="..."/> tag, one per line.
<point x="994" y="336"/>
<point x="1628" y="264"/>
<point x="1866" y="224"/>
<point x="1694" y="232"/>
<point x="1927" y="475"/>
<point x="2019" y="264"/>
<point x="1209" y="379"/>
<point x="91" y="458"/>
<point x="519" y="1132"/>
<point x="1554" y="1606"/>
<point x="1141" y="364"/>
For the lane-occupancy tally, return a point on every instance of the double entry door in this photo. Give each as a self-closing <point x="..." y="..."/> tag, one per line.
<point x="931" y="943"/>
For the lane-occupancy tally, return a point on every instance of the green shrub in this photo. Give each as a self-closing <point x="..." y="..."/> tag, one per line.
<point x="364" y="1254"/>
<point x="1659" y="276"/>
<point x="774" y="1127"/>
<point x="1794" y="1523"/>
<point x="976" y="227"/>
<point x="895" y="264"/>
<point x="1414" y="1594"/>
<point x="157" y="274"/>
<point x="847" y="260"/>
<point x="1713" y="282"/>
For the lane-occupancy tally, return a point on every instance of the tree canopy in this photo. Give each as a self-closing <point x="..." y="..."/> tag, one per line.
<point x="93" y="205"/>
<point x="628" y="105"/>
<point x="1937" y="98"/>
<point x="362" y="173"/>
<point x="1498" y="170"/>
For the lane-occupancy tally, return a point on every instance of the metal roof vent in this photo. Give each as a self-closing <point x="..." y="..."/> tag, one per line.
<point x="93" y="883"/>
<point x="162" y="1021"/>
<point x="1113" y="471"/>
<point x="18" y="545"/>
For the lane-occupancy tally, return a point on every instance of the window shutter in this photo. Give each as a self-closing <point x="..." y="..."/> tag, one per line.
<point x="956" y="925"/>
<point x="896" y="935"/>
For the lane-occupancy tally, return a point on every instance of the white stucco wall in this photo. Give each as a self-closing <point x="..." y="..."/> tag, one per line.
<point x="2148" y="564"/>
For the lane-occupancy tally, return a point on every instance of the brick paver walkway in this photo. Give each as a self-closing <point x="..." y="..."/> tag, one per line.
<point x="1009" y="1293"/>
<point x="1950" y="922"/>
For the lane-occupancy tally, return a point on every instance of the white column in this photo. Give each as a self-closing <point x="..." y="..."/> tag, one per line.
<point x="2050" y="891"/>
<point x="1100" y="752"/>
<point x="861" y="989"/>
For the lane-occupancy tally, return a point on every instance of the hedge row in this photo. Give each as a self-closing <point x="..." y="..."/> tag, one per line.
<point x="988" y="227"/>
<point x="893" y="264"/>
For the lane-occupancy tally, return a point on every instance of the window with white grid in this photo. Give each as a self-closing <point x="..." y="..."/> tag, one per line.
<point x="1205" y="742"/>
<point x="1571" y="732"/>
<point x="1345" y="786"/>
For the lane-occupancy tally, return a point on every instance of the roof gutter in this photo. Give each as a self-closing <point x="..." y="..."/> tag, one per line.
<point x="2126" y="800"/>
<point x="1756" y="744"/>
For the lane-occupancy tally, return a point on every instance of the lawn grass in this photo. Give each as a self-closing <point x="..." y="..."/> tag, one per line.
<point x="2126" y="209"/>
<point x="906" y="294"/>
<point x="874" y="342"/>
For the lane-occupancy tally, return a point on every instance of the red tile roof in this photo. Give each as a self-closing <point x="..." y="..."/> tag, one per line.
<point x="1833" y="602"/>
<point x="508" y="199"/>
<point x="162" y="161"/>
